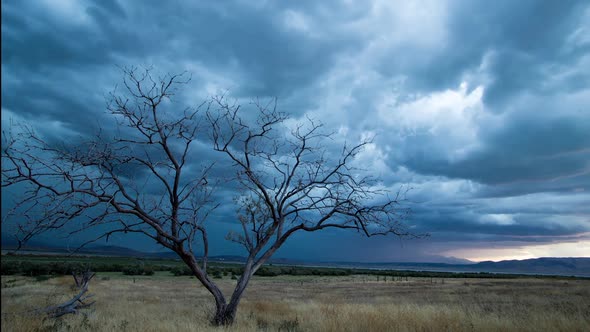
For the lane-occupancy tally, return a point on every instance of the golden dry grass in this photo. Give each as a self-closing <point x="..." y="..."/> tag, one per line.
<point x="356" y="303"/>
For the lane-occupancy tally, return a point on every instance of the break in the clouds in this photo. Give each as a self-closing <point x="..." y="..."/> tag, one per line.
<point x="482" y="107"/>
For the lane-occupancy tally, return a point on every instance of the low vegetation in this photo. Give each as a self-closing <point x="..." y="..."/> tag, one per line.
<point x="162" y="302"/>
<point x="51" y="265"/>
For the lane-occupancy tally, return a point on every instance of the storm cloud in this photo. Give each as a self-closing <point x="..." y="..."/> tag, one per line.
<point x="481" y="107"/>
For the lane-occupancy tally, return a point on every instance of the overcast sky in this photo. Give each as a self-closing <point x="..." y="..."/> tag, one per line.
<point x="483" y="107"/>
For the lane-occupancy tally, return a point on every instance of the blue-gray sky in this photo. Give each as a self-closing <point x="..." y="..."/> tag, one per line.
<point x="483" y="107"/>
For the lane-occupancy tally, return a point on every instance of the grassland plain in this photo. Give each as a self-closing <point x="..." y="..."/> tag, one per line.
<point x="307" y="303"/>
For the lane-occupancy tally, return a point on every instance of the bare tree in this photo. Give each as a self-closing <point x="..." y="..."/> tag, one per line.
<point x="291" y="183"/>
<point x="136" y="182"/>
<point x="139" y="182"/>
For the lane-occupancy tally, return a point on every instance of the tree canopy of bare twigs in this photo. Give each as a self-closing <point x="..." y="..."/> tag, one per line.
<point x="138" y="181"/>
<point x="291" y="183"/>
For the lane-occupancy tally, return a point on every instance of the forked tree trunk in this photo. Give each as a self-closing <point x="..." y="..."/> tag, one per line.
<point x="225" y="315"/>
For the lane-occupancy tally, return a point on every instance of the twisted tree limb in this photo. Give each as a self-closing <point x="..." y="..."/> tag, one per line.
<point x="75" y="303"/>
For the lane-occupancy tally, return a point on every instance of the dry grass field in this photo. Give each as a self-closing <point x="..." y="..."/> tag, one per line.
<point x="289" y="303"/>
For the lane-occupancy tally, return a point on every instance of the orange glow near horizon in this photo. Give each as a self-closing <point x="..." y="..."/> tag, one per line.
<point x="565" y="249"/>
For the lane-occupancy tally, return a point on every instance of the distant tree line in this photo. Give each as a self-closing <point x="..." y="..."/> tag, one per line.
<point x="41" y="268"/>
<point x="28" y="268"/>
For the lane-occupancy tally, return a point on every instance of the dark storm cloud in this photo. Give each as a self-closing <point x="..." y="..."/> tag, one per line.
<point x="251" y="46"/>
<point x="263" y="56"/>
<point x="532" y="36"/>
<point x="541" y="141"/>
<point x="38" y="41"/>
<point x="520" y="227"/>
<point x="512" y="166"/>
<point x="519" y="42"/>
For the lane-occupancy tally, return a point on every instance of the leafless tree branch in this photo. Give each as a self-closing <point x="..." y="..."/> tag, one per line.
<point x="95" y="183"/>
<point x="291" y="183"/>
<point x="289" y="180"/>
<point x="77" y="302"/>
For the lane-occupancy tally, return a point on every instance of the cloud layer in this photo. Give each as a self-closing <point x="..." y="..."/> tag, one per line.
<point x="481" y="107"/>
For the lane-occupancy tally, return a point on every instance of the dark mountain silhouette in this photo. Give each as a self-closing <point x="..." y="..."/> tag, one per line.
<point x="553" y="265"/>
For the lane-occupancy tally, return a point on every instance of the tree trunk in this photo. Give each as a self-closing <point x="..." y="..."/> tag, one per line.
<point x="226" y="314"/>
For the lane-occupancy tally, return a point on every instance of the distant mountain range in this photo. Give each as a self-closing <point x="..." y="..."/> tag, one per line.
<point x="47" y="248"/>
<point x="565" y="266"/>
<point x="546" y="265"/>
<point x="568" y="266"/>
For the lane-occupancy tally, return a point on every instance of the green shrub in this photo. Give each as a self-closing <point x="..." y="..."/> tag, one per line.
<point x="42" y="277"/>
<point x="138" y="270"/>
<point x="181" y="271"/>
<point x="148" y="271"/>
<point x="266" y="272"/>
